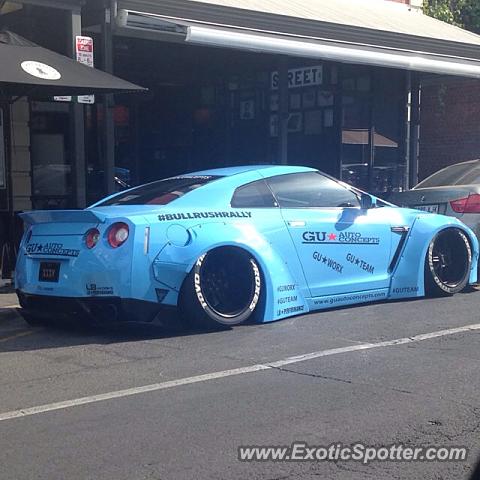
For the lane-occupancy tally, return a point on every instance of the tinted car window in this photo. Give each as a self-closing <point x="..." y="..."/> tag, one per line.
<point x="460" y="174"/>
<point x="312" y="189"/>
<point x="254" y="195"/>
<point x="159" y="193"/>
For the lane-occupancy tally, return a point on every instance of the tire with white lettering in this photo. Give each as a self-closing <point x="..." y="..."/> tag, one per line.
<point x="448" y="263"/>
<point x="223" y="288"/>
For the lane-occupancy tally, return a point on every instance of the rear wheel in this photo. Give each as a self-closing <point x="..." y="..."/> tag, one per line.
<point x="223" y="288"/>
<point x="448" y="263"/>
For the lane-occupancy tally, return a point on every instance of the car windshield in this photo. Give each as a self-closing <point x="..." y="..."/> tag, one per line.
<point x="459" y="174"/>
<point x="160" y="193"/>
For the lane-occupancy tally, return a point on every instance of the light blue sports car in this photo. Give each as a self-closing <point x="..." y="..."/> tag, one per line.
<point x="226" y="246"/>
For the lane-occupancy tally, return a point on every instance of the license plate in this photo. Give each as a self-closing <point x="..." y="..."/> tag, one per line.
<point x="427" y="208"/>
<point x="49" y="272"/>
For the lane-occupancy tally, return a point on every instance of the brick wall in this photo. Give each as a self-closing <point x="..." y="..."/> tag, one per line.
<point x="450" y="125"/>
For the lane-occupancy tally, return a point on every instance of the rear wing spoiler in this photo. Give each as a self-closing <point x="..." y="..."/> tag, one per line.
<point x="62" y="216"/>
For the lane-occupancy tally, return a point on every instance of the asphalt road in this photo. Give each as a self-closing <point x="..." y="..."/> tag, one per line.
<point x="200" y="408"/>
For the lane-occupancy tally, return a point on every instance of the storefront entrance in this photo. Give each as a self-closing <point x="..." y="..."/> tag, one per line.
<point x="209" y="108"/>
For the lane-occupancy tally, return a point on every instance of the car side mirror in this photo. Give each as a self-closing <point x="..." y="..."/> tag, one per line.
<point x="367" y="201"/>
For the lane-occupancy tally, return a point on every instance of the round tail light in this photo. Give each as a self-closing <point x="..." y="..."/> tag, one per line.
<point x="92" y="237"/>
<point x="118" y="234"/>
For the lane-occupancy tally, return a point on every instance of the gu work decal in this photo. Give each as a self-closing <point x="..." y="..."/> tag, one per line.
<point x="328" y="262"/>
<point x="203" y="215"/>
<point x="351" y="238"/>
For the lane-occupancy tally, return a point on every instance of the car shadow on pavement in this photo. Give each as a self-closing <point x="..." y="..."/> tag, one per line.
<point x="16" y="335"/>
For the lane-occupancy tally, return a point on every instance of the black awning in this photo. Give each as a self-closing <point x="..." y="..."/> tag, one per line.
<point x="27" y="68"/>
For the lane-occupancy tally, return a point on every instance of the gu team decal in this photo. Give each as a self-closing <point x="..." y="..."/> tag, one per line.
<point x="360" y="263"/>
<point x="328" y="262"/>
<point x="167" y="217"/>
<point x="51" y="249"/>
<point x="352" y="238"/>
<point x="401" y="290"/>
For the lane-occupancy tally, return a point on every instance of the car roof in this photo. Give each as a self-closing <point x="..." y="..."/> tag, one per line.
<point x="264" y="170"/>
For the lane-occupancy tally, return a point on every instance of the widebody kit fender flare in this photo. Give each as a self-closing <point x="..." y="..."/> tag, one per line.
<point x="408" y="275"/>
<point x="283" y="292"/>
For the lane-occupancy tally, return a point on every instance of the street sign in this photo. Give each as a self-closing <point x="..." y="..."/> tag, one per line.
<point x="84" y="52"/>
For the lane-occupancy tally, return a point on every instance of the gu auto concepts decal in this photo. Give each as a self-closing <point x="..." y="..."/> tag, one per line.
<point x="51" y="249"/>
<point x="167" y="217"/>
<point x="350" y="298"/>
<point x="352" y="238"/>
<point x="328" y="262"/>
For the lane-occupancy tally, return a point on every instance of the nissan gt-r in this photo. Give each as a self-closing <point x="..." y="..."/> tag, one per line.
<point x="235" y="245"/>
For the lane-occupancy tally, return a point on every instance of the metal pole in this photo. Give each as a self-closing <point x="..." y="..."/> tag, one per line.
<point x="109" y="102"/>
<point x="406" y="131"/>
<point x="283" y="110"/>
<point x="414" y="130"/>
<point x="77" y="122"/>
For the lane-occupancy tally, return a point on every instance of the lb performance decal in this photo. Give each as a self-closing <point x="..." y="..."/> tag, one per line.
<point x="51" y="249"/>
<point x="351" y="238"/>
<point x="167" y="217"/>
<point x="94" y="291"/>
<point x="328" y="262"/>
<point x="290" y="310"/>
<point x="360" y="263"/>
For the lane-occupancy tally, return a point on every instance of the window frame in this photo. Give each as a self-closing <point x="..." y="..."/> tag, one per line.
<point x="264" y="181"/>
<point x="355" y="191"/>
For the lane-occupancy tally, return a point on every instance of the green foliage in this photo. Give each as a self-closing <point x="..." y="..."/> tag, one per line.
<point x="463" y="13"/>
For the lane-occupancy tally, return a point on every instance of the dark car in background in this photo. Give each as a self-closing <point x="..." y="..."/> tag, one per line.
<point x="452" y="191"/>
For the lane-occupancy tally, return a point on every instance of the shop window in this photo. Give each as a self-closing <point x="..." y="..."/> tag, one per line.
<point x="51" y="167"/>
<point x="254" y="195"/>
<point x="372" y="121"/>
<point x="311" y="190"/>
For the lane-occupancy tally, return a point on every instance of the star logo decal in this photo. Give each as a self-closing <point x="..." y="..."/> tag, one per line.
<point x="332" y="237"/>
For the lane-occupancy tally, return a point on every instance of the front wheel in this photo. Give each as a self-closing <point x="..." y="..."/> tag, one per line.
<point x="223" y="288"/>
<point x="448" y="263"/>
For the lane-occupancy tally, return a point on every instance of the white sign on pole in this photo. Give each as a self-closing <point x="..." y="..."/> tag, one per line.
<point x="62" y="98"/>
<point x="84" y="50"/>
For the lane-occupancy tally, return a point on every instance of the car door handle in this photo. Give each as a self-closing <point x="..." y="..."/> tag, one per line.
<point x="297" y="223"/>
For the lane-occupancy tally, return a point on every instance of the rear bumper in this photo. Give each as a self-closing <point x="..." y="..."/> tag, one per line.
<point x="93" y="309"/>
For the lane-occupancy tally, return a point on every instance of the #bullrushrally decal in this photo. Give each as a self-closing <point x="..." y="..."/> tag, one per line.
<point x="202" y="215"/>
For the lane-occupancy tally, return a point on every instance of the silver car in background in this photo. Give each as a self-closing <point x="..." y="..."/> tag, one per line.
<point x="452" y="191"/>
